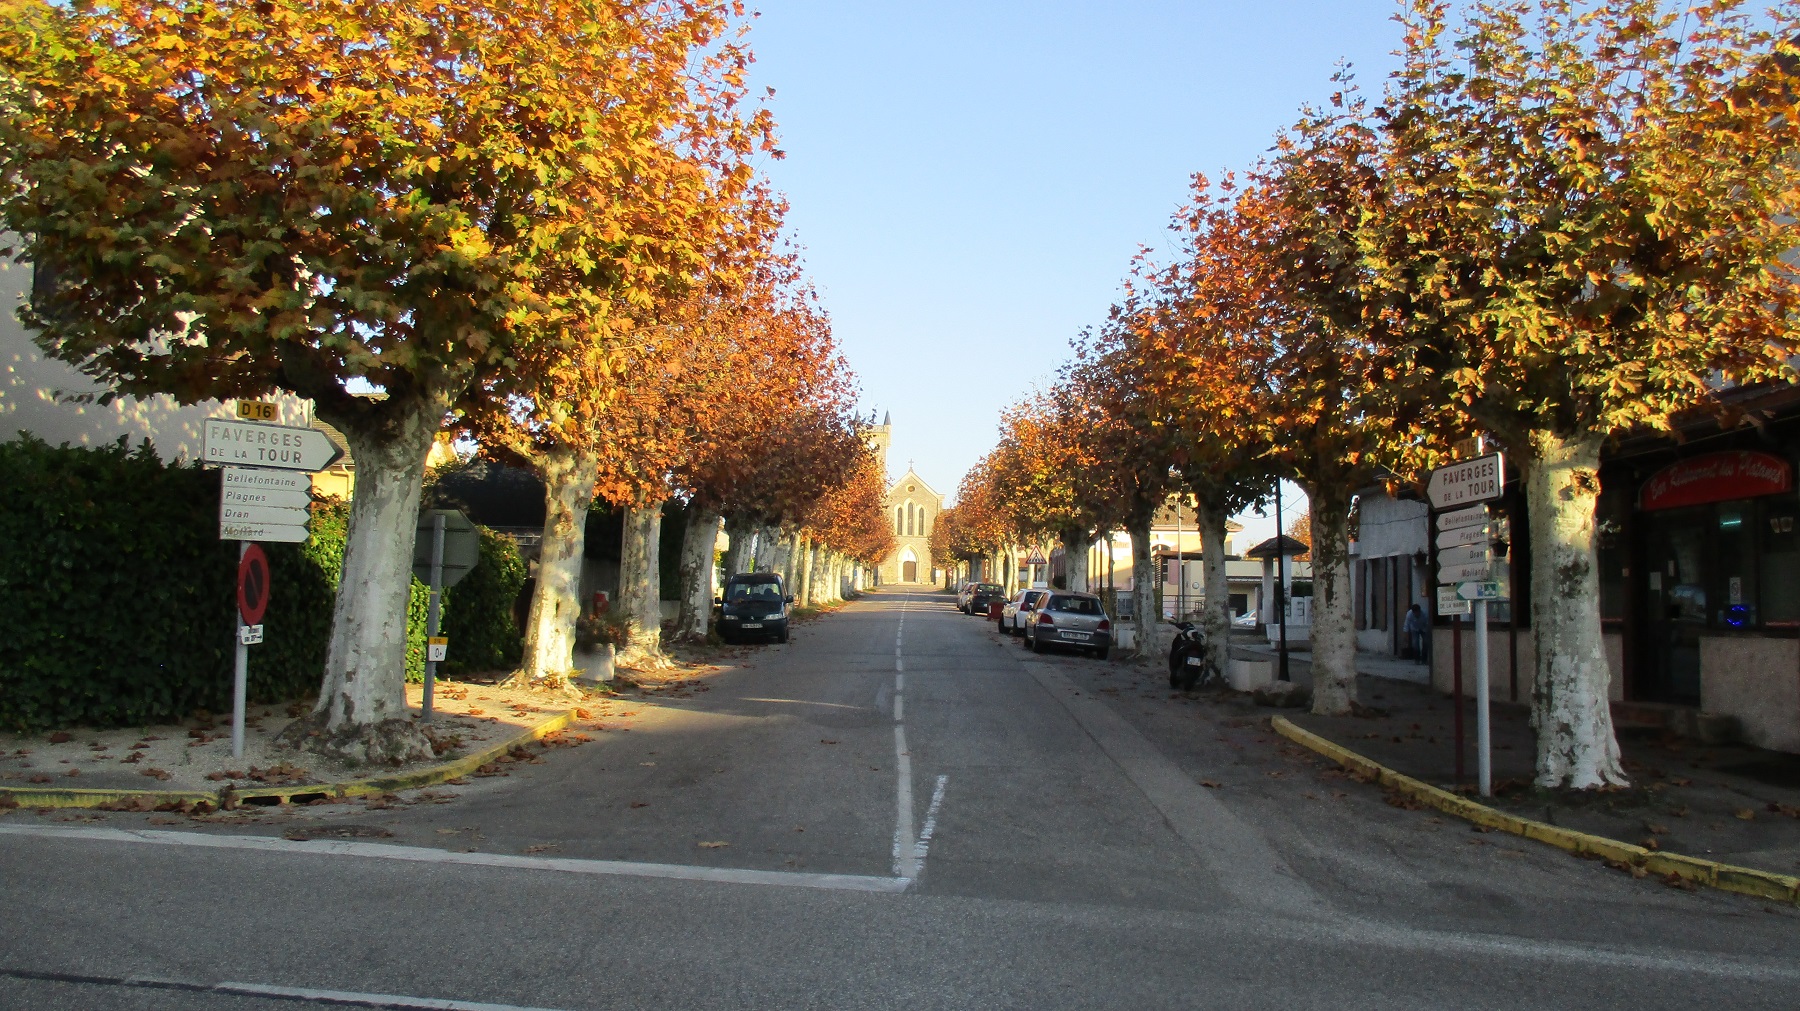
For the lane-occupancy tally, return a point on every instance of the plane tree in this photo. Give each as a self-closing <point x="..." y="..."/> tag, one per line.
<point x="332" y="197"/>
<point x="1591" y="206"/>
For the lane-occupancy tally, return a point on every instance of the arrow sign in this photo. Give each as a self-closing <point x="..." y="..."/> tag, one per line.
<point x="1479" y="480"/>
<point x="1456" y="519"/>
<point x="1484" y="590"/>
<point x="1468" y="555"/>
<point x="282" y="447"/>
<point x="1461" y="573"/>
<point x="1461" y="536"/>
<point x="239" y="497"/>
<point x="275" y="533"/>
<point x="282" y="515"/>
<point x="249" y="479"/>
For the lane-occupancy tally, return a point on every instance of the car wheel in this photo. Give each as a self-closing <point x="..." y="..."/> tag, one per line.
<point x="728" y="639"/>
<point x="1037" y="645"/>
<point x="783" y="637"/>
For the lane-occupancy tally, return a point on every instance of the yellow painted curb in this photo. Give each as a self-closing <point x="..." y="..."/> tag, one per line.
<point x="1743" y="880"/>
<point x="38" y="797"/>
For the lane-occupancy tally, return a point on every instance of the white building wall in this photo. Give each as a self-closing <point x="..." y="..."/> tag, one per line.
<point x="38" y="394"/>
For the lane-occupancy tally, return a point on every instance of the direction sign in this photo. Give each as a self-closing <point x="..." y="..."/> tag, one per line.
<point x="1461" y="536"/>
<point x="1463" y="573"/>
<point x="1467" y="555"/>
<point x="273" y="533"/>
<point x="257" y="410"/>
<point x="462" y="546"/>
<point x="1479" y="480"/>
<point x="286" y="515"/>
<point x="1489" y="589"/>
<point x="255" y="479"/>
<point x="258" y="497"/>
<point x="1456" y="519"/>
<point x="1449" y="603"/>
<point x="283" y="447"/>
<point x="253" y="584"/>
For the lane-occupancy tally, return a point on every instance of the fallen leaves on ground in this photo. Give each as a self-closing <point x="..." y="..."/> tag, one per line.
<point x="713" y="845"/>
<point x="1210" y="784"/>
<point x="157" y="774"/>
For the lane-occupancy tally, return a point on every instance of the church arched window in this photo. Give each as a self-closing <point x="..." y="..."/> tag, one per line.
<point x="899" y="513"/>
<point x="909" y="519"/>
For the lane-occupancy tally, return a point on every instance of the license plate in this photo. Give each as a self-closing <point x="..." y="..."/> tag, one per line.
<point x="1193" y="661"/>
<point x="751" y="624"/>
<point x="1078" y="635"/>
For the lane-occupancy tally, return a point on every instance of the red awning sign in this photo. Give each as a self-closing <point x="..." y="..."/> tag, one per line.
<point x="1716" y="477"/>
<point x="253" y="584"/>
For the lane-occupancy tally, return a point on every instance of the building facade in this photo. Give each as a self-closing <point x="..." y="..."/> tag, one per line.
<point x="913" y="507"/>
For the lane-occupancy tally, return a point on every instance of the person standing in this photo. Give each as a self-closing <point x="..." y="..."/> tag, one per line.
<point x="1415" y="628"/>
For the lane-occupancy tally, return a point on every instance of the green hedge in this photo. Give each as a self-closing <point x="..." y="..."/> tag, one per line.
<point x="118" y="594"/>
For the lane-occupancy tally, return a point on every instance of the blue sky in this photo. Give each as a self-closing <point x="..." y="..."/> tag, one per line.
<point x="971" y="180"/>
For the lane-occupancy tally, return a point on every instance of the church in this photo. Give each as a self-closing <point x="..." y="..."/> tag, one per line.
<point x="913" y="506"/>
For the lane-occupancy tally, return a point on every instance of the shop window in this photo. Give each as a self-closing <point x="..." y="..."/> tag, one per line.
<point x="1779" y="588"/>
<point x="1734" y="557"/>
<point x="1610" y="547"/>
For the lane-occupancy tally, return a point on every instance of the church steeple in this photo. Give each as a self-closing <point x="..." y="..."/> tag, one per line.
<point x="880" y="437"/>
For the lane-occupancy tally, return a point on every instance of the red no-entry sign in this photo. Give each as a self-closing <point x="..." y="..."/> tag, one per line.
<point x="253" y="584"/>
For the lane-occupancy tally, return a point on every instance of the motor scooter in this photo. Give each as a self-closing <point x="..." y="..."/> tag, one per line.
<point x="1187" y="657"/>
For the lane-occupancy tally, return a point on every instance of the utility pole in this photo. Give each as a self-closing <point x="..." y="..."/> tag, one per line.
<point x="1281" y="589"/>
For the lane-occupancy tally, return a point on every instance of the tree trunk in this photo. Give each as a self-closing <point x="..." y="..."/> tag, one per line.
<point x="1333" y="621"/>
<point x="698" y="543"/>
<point x="1215" y="617"/>
<point x="556" y="598"/>
<point x="1075" y="559"/>
<point x="1143" y="595"/>
<point x="766" y="543"/>
<point x="640" y="586"/>
<point x="362" y="716"/>
<point x="738" y="554"/>
<point x="1576" y="745"/>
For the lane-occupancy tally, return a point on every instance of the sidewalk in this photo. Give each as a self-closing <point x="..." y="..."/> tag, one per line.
<point x="1731" y="803"/>
<point x="1380" y="665"/>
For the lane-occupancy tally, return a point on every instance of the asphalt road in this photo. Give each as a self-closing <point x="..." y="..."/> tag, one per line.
<point x="899" y="809"/>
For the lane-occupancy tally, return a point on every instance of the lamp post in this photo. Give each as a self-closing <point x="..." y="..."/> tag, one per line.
<point x="1281" y="589"/>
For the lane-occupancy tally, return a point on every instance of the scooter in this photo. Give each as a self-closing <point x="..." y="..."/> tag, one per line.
<point x="1187" y="656"/>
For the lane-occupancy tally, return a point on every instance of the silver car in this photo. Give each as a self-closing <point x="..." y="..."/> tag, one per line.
<point x="1019" y="610"/>
<point x="1070" y="620"/>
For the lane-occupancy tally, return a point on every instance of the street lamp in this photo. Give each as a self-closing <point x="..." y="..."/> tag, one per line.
<point x="1281" y="589"/>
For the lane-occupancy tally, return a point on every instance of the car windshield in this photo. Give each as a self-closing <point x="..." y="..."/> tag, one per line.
<point x="1075" y="605"/>
<point x="1031" y="597"/>
<point x="988" y="588"/>
<point x="741" y="592"/>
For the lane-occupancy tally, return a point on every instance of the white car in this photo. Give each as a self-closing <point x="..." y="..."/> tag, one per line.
<point x="1019" y="611"/>
<point x="1245" y="620"/>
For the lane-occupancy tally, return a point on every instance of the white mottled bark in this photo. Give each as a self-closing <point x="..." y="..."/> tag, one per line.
<point x="805" y="561"/>
<point x="640" y="586"/>
<point x="556" y="599"/>
<point x="738" y="556"/>
<point x="1334" y="623"/>
<point x="1149" y="635"/>
<point x="698" y="541"/>
<point x="1215" y="616"/>
<point x="1576" y="744"/>
<point x="361" y="715"/>
<point x="1075" y="560"/>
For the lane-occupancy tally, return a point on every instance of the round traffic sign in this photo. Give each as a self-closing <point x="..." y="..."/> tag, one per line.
<point x="253" y="584"/>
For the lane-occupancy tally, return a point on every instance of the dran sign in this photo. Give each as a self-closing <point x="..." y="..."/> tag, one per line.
<point x="1716" y="477"/>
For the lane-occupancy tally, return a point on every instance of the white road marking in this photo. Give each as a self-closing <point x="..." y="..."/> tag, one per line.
<point x="906" y="863"/>
<point x="341" y="998"/>
<point x="421" y="854"/>
<point x="923" y="846"/>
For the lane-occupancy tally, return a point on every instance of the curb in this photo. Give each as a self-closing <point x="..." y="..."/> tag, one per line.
<point x="1671" y="867"/>
<point x="39" y="797"/>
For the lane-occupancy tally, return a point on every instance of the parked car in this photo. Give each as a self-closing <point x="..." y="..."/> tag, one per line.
<point x="1072" y="621"/>
<point x="983" y="595"/>
<point x="1245" y="620"/>
<point x="1019" y="610"/>
<point x="754" y="606"/>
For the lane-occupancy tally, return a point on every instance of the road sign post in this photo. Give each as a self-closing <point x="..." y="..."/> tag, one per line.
<point x="252" y="603"/>
<point x="446" y="546"/>
<point x="1469" y="565"/>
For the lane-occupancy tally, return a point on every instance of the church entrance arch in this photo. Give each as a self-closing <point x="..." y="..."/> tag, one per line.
<point x="909" y="566"/>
